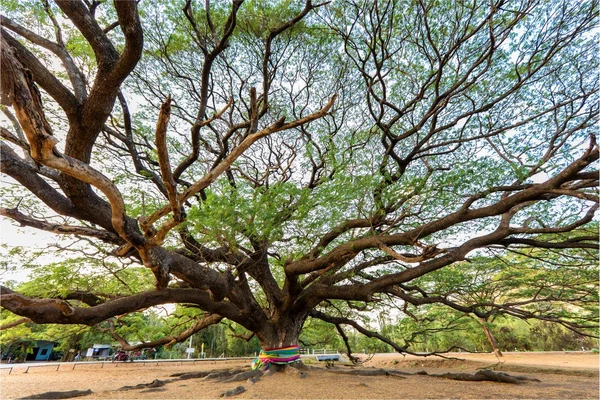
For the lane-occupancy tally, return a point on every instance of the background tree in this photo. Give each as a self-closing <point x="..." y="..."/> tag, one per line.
<point x="304" y="155"/>
<point x="559" y="287"/>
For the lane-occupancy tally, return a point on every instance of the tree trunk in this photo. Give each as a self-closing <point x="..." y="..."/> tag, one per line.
<point x="490" y="337"/>
<point x="283" y="333"/>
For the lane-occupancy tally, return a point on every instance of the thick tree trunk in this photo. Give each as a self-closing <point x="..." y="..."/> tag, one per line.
<point x="490" y="337"/>
<point x="283" y="333"/>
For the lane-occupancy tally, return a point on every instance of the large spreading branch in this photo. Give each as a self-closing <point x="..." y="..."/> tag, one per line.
<point x="59" y="311"/>
<point x="61" y="229"/>
<point x="339" y="321"/>
<point x="345" y="252"/>
<point x="199" y="325"/>
<point x="19" y="91"/>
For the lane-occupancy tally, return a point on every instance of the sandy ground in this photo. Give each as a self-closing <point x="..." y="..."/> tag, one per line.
<point x="562" y="376"/>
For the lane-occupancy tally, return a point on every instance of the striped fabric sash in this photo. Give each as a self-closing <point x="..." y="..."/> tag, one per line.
<point x="283" y="355"/>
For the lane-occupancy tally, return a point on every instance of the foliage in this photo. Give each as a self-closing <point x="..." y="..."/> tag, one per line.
<point x="451" y="330"/>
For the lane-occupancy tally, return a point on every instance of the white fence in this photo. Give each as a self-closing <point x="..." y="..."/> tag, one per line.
<point x="102" y="363"/>
<point x="73" y="365"/>
<point x="318" y="351"/>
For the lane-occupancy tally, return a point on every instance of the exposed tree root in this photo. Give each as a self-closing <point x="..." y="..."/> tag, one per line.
<point x="218" y="373"/>
<point x="493" y="366"/>
<point x="485" y="375"/>
<point x="482" y="375"/>
<point x="297" y="371"/>
<point x="154" y="384"/>
<point x="191" y="375"/>
<point x="252" y="381"/>
<point x="242" y="376"/>
<point x="234" y="392"/>
<point x="368" y="372"/>
<point x="224" y="374"/>
<point x="153" y="390"/>
<point x="59" y="395"/>
<point x="253" y="376"/>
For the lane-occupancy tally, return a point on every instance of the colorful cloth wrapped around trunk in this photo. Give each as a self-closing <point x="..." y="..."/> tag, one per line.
<point x="283" y="355"/>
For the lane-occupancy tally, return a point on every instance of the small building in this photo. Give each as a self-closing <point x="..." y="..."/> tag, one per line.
<point x="43" y="350"/>
<point x="22" y="350"/>
<point x="36" y="350"/>
<point x="99" y="352"/>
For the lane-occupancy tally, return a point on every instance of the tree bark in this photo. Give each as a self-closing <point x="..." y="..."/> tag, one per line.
<point x="490" y="337"/>
<point x="282" y="333"/>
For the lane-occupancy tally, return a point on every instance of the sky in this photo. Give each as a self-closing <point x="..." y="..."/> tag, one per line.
<point x="31" y="239"/>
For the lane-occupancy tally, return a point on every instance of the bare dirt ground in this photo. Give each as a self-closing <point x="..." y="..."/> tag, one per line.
<point x="561" y="375"/>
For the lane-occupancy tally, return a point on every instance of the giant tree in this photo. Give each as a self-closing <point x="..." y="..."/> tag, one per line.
<point x="267" y="160"/>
